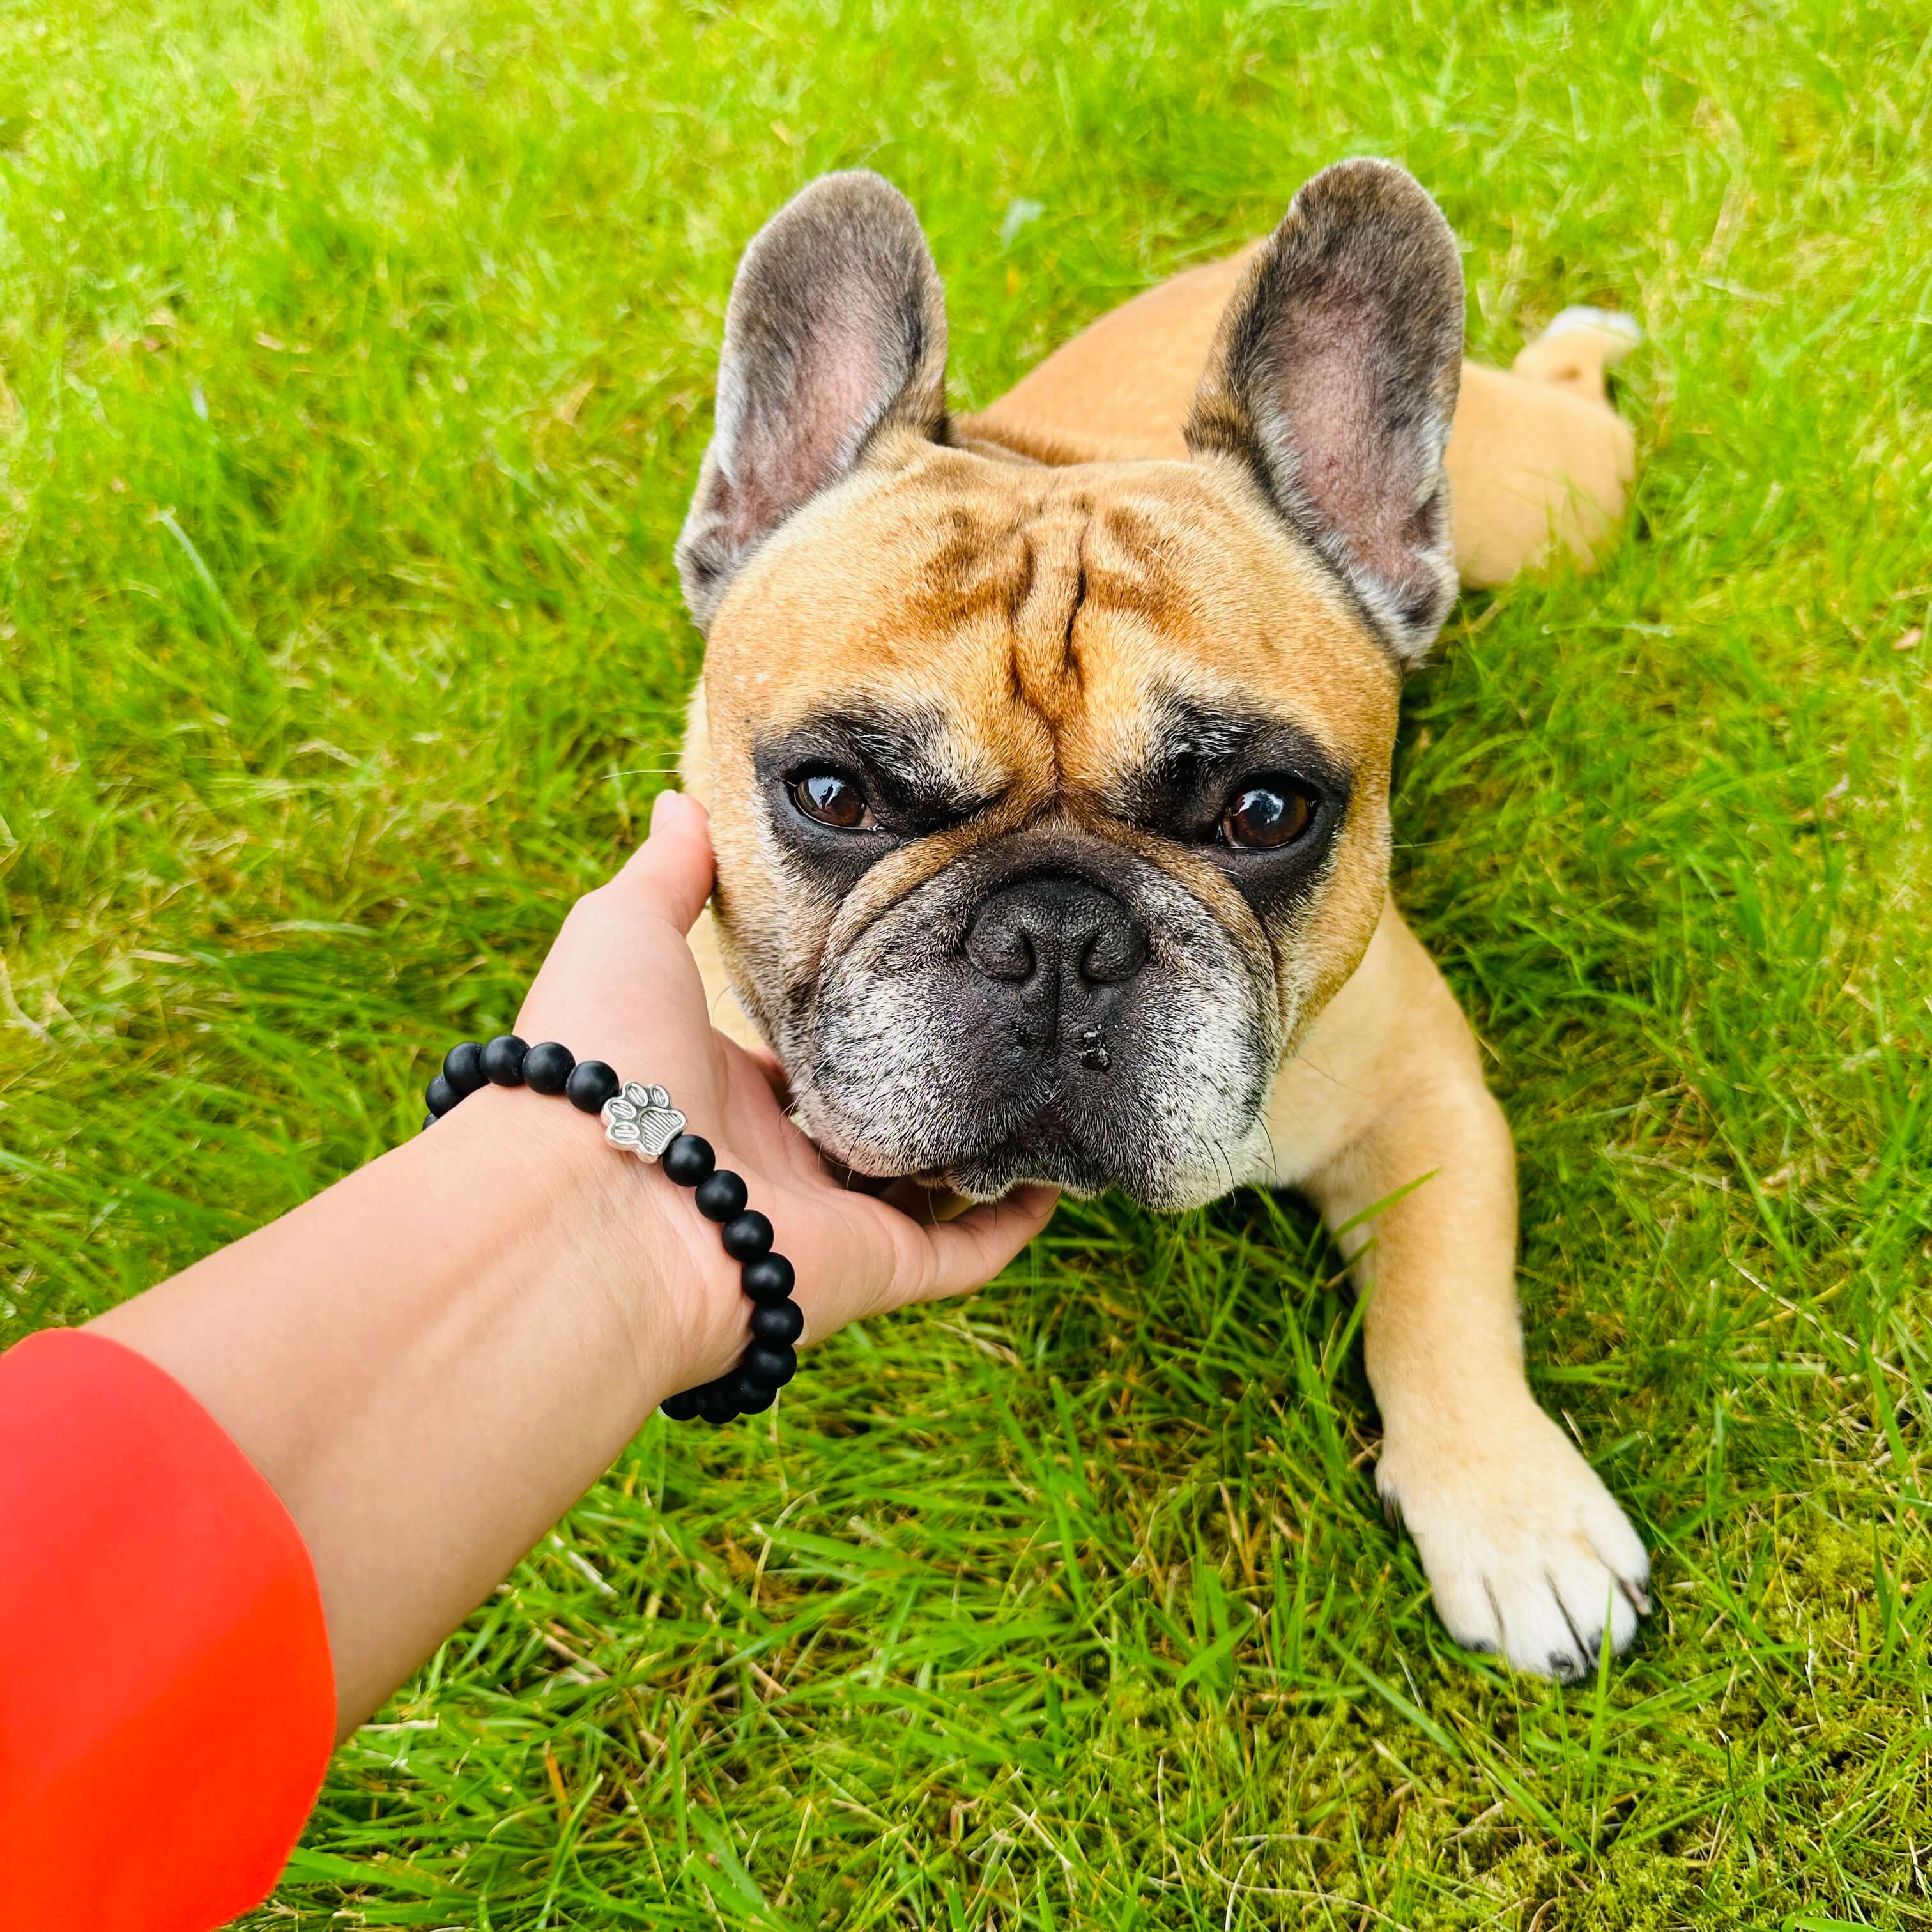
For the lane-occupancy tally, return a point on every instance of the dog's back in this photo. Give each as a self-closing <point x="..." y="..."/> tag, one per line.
<point x="1537" y="457"/>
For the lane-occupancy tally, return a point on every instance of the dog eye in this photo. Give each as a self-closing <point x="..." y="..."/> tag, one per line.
<point x="833" y="800"/>
<point x="1261" y="817"/>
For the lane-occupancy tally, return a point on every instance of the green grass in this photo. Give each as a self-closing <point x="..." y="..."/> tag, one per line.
<point x="356" y="363"/>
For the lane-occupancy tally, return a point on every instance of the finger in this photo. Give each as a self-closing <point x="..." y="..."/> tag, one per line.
<point x="670" y="874"/>
<point x="967" y="1253"/>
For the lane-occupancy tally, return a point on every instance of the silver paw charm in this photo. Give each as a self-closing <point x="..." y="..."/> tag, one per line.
<point x="642" y="1119"/>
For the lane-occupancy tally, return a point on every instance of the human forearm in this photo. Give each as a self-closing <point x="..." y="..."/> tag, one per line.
<point x="431" y="1361"/>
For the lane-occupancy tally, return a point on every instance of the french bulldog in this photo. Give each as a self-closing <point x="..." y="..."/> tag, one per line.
<point x="1048" y="757"/>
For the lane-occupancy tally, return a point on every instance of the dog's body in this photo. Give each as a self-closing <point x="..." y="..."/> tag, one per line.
<point x="1047" y="754"/>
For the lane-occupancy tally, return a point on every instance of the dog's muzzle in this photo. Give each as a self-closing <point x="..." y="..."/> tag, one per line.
<point x="1089" y="1025"/>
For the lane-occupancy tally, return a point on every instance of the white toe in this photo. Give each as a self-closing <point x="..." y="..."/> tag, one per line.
<point x="1618" y="1546"/>
<point x="1536" y="1635"/>
<point x="1592" y="1602"/>
<point x="1610" y="321"/>
<point x="1467" y="1608"/>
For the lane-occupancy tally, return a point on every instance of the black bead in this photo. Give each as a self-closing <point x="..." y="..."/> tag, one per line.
<point x="463" y="1067"/>
<point x="590" y="1085"/>
<point x="429" y="1120"/>
<point x="548" y="1066"/>
<point x="773" y="1362"/>
<point x="503" y="1060"/>
<point x="746" y="1236"/>
<point x="439" y="1096"/>
<point x="749" y="1396"/>
<point x="715" y="1403"/>
<point x="782" y="1321"/>
<point x="681" y="1407"/>
<point x="768" y="1279"/>
<point x="688" y="1159"/>
<point x="722" y="1195"/>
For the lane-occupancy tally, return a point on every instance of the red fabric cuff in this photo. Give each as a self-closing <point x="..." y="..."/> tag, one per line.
<point x="167" y="1704"/>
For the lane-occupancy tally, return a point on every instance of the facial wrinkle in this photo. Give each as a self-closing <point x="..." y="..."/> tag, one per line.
<point x="1047" y="675"/>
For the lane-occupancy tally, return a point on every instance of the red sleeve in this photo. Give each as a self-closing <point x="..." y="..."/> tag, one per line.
<point x="166" y="1702"/>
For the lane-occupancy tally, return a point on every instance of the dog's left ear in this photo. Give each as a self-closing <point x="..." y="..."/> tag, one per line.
<point x="835" y="332"/>
<point x="1333" y="380"/>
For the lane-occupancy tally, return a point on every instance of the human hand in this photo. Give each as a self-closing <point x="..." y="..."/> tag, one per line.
<point x="620" y="985"/>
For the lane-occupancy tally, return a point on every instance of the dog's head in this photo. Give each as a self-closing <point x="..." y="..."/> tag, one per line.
<point x="1050" y="804"/>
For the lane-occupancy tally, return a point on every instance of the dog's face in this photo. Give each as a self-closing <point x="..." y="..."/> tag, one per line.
<point x="1050" y="804"/>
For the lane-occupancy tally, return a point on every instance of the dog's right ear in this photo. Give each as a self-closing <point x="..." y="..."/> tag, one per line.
<point x="836" y="331"/>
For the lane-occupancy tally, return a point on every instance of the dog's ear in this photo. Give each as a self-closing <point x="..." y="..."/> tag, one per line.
<point x="1334" y="378"/>
<point x="836" y="331"/>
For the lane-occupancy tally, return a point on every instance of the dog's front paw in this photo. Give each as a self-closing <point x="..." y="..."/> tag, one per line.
<point x="1525" y="1550"/>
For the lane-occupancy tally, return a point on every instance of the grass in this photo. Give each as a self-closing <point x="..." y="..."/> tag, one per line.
<point x="356" y="371"/>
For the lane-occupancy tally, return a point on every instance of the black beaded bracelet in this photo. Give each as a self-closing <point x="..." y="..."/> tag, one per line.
<point x="642" y="1120"/>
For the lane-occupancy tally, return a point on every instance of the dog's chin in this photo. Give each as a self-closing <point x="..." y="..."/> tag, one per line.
<point x="989" y="1176"/>
<point x="1050" y="1158"/>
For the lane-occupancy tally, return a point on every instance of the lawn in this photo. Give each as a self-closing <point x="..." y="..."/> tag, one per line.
<point x="356" y="366"/>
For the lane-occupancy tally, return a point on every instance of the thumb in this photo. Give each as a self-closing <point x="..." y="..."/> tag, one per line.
<point x="670" y="874"/>
<point x="966" y="1254"/>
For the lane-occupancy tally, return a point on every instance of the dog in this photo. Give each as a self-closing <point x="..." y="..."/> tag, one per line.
<point x="1048" y="757"/>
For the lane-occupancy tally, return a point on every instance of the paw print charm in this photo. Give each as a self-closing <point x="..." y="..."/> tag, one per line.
<point x="641" y="1119"/>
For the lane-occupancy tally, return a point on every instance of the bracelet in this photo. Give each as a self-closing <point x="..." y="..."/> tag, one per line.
<point x="642" y="1121"/>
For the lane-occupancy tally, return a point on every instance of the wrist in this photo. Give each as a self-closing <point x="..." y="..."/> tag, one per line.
<point x="642" y="1267"/>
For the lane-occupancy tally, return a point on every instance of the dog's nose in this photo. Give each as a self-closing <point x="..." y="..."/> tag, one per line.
<point x="1058" y="932"/>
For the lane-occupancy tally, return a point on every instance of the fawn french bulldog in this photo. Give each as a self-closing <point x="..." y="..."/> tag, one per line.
<point x="1048" y="756"/>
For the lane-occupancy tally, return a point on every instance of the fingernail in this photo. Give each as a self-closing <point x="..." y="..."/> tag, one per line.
<point x="678" y="806"/>
<point x="675" y="811"/>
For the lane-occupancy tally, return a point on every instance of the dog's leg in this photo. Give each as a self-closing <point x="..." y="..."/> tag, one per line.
<point x="1412" y="1165"/>
<point x="1574" y="351"/>
<point x="1538" y="461"/>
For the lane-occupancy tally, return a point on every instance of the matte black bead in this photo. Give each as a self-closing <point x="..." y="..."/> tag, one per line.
<point x="768" y="1279"/>
<point x="590" y="1085"/>
<point x="722" y="1195"/>
<point x="749" y="1396"/>
<point x="429" y="1120"/>
<point x="782" y="1321"/>
<point x="503" y="1060"/>
<point x="715" y="1403"/>
<point x="773" y="1362"/>
<point x="682" y="1407"/>
<point x="746" y="1236"/>
<point x="546" y="1067"/>
<point x="688" y="1159"/>
<point x="463" y="1067"/>
<point x="439" y="1096"/>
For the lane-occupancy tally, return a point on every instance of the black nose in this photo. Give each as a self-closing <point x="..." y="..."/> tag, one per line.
<point x="1056" y="931"/>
